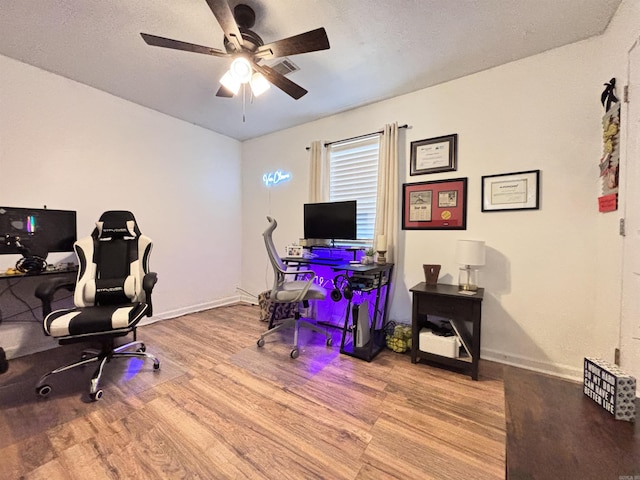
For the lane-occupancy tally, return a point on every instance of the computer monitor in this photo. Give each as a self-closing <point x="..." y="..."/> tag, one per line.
<point x="331" y="220"/>
<point x="36" y="231"/>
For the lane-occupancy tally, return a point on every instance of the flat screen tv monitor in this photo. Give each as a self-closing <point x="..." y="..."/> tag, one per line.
<point x="331" y="220"/>
<point x="39" y="231"/>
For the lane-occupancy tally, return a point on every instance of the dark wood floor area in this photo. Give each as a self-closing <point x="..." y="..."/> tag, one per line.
<point x="554" y="431"/>
<point x="220" y="407"/>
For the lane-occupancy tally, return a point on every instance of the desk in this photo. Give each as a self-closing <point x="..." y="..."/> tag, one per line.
<point x="463" y="311"/>
<point x="17" y="300"/>
<point x="18" y="304"/>
<point x="555" y="431"/>
<point x="371" y="279"/>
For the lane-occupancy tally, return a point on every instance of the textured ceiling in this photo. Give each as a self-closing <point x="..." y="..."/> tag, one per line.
<point x="379" y="49"/>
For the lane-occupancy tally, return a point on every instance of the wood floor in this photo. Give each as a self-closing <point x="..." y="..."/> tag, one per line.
<point x="222" y="408"/>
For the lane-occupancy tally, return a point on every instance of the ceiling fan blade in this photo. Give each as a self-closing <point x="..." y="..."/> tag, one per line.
<point x="283" y="83"/>
<point x="222" y="11"/>
<point x="311" y="41"/>
<point x="224" y="92"/>
<point x="156" y="41"/>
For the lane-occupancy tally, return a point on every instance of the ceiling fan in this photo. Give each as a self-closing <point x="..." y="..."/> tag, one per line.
<point x="247" y="50"/>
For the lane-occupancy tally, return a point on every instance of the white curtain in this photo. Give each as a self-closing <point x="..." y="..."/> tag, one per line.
<point x="318" y="174"/>
<point x="387" y="201"/>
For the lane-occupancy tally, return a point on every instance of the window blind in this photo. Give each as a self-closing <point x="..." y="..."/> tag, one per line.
<point x="353" y="175"/>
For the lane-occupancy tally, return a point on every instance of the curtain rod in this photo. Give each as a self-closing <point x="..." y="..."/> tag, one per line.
<point x="357" y="137"/>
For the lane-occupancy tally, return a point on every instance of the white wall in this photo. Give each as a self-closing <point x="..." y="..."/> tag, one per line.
<point x="69" y="146"/>
<point x="552" y="277"/>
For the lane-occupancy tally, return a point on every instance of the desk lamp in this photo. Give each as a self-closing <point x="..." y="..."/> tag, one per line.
<point x="471" y="254"/>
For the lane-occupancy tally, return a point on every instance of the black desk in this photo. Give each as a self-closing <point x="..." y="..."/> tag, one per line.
<point x="374" y="279"/>
<point x="380" y="278"/>
<point x="18" y="303"/>
<point x="463" y="311"/>
<point x="17" y="300"/>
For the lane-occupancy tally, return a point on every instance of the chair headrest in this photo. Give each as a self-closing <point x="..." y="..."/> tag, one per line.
<point x="116" y="225"/>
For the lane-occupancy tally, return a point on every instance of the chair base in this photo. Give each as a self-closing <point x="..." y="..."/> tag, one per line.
<point x="296" y="322"/>
<point x="102" y="357"/>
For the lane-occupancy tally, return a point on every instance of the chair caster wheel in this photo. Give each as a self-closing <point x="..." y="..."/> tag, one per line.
<point x="142" y="348"/>
<point x="260" y="342"/>
<point x="43" y="390"/>
<point x="156" y="366"/>
<point x="294" y="353"/>
<point x="329" y="342"/>
<point x="95" y="396"/>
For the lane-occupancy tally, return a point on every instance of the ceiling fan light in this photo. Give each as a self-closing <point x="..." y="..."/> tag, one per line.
<point x="229" y="82"/>
<point x="259" y="84"/>
<point x="241" y="69"/>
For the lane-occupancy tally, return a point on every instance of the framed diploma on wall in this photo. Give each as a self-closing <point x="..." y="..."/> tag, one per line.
<point x="511" y="191"/>
<point x="438" y="205"/>
<point x="434" y="155"/>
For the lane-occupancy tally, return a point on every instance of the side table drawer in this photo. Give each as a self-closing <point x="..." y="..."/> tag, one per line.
<point x="443" y="307"/>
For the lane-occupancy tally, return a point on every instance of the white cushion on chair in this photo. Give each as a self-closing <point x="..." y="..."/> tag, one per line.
<point x="129" y="287"/>
<point x="289" y="291"/>
<point x="60" y="328"/>
<point x="89" y="293"/>
<point x="120" y="318"/>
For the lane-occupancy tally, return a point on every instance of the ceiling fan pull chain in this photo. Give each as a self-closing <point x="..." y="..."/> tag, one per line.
<point x="244" y="96"/>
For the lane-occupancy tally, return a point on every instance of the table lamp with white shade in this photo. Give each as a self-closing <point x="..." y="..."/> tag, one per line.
<point x="470" y="254"/>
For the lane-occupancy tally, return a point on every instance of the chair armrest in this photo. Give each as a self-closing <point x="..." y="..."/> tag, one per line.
<point x="298" y="272"/>
<point x="303" y="292"/>
<point x="148" y="282"/>
<point x="47" y="289"/>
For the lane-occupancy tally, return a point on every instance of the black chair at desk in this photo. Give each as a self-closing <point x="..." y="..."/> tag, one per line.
<point x="112" y="294"/>
<point x="291" y="291"/>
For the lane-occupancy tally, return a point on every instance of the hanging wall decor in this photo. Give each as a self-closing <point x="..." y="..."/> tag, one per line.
<point x="610" y="161"/>
<point x="438" y="205"/>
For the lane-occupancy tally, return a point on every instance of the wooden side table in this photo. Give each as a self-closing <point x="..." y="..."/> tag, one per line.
<point x="462" y="310"/>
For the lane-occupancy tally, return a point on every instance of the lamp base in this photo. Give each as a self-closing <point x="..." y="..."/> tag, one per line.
<point x="468" y="279"/>
<point x="381" y="260"/>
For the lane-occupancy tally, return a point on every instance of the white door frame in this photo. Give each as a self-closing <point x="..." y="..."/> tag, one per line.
<point x="630" y="298"/>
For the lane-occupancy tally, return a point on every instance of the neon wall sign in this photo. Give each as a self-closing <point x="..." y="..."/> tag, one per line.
<point x="274" y="178"/>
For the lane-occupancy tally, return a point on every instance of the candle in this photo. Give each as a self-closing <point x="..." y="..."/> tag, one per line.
<point x="382" y="243"/>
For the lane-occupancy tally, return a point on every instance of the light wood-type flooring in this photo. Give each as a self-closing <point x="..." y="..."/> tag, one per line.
<point x="222" y="408"/>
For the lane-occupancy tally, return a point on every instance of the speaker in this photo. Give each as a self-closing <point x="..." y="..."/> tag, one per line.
<point x="342" y="288"/>
<point x="336" y="296"/>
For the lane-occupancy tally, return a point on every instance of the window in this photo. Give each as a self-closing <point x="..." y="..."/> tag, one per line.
<point x="353" y="175"/>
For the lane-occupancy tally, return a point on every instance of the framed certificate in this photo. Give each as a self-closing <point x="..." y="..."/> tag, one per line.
<point x="511" y="191"/>
<point x="439" y="205"/>
<point x="434" y="155"/>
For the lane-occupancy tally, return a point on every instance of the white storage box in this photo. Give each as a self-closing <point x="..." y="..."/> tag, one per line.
<point x="439" y="345"/>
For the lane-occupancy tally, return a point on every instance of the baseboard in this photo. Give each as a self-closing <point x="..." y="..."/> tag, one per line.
<point x="179" y="312"/>
<point x="250" y="299"/>
<point x="557" y="370"/>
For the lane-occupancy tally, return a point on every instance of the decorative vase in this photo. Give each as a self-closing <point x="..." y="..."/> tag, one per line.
<point x="431" y="273"/>
<point x="367" y="260"/>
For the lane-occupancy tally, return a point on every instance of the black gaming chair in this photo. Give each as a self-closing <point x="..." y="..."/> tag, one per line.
<point x="112" y="294"/>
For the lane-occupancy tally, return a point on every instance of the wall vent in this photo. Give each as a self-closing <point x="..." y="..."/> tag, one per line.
<point x="285" y="66"/>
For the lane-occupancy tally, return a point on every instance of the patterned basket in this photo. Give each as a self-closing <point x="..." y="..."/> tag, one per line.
<point x="267" y="308"/>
